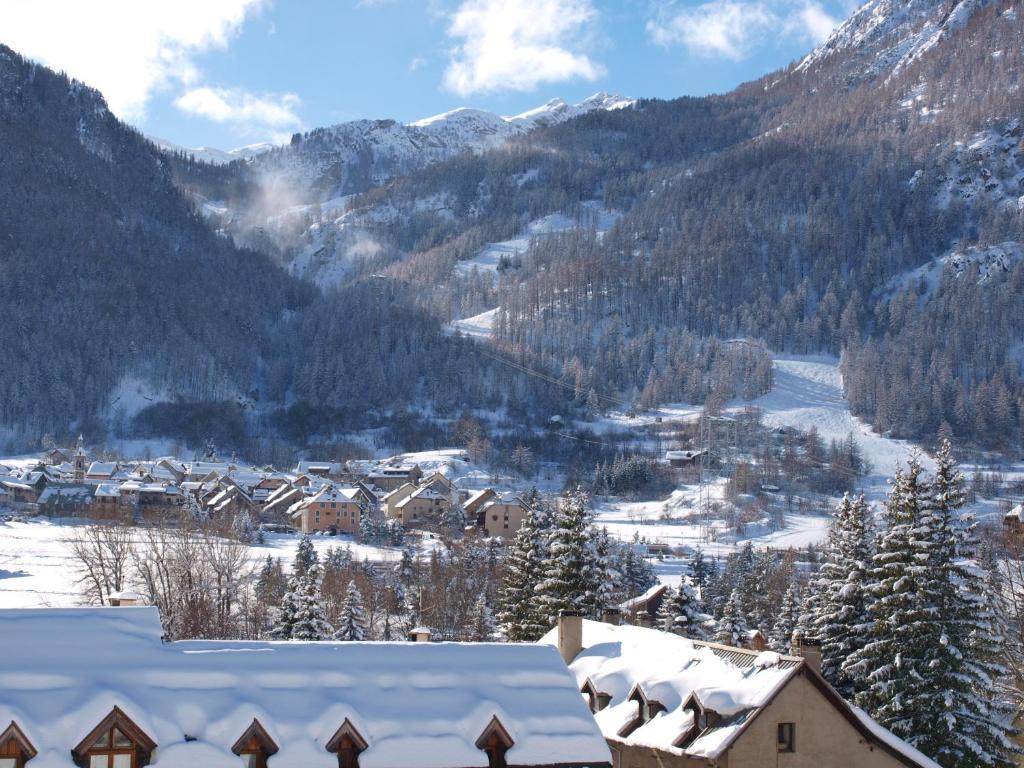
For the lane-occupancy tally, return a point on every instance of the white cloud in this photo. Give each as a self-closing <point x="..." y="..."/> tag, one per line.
<point x="233" y="105"/>
<point x="517" y="45"/>
<point x="731" y="29"/>
<point x="125" y="48"/>
<point x="416" y="63"/>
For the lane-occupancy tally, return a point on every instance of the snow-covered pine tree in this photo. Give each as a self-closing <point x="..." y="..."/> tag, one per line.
<point x="518" y="616"/>
<point x="482" y="628"/>
<point x="310" y="617"/>
<point x="286" y="615"/>
<point x="842" y="622"/>
<point x="732" y="627"/>
<point x="572" y="573"/>
<point x="781" y="637"/>
<point x="891" y="670"/>
<point x="352" y="620"/>
<point x="243" y="528"/>
<point x="682" y="612"/>
<point x="968" y="726"/>
<point x="699" y="569"/>
<point x="611" y="573"/>
<point x="665" y="620"/>
<point x="305" y="556"/>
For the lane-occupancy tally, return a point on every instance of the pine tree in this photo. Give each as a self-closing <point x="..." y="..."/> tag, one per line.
<point x="286" y="615"/>
<point x="352" y="621"/>
<point x="843" y="622"/>
<point x="482" y="628"/>
<point x="518" y="614"/>
<point x="681" y="612"/>
<point x="572" y="573"/>
<point x="732" y="627"/>
<point x="305" y="556"/>
<point x="310" y="617"/>
<point x="891" y="670"/>
<point x="781" y="638"/>
<point x="968" y="726"/>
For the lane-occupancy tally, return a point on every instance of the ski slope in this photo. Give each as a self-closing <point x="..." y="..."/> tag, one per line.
<point x="808" y="392"/>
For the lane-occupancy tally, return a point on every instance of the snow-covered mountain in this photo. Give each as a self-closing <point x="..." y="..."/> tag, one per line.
<point x="213" y="155"/>
<point x="883" y="36"/>
<point x="351" y="157"/>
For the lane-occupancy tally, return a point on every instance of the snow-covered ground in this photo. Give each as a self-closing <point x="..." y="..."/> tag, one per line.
<point x="479" y="326"/>
<point x="38" y="567"/>
<point x="595" y="215"/>
<point x="808" y="392"/>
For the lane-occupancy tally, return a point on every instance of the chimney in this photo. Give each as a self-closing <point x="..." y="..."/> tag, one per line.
<point x="570" y="634"/>
<point x="420" y="634"/>
<point x="611" y="615"/>
<point x="810" y="650"/>
<point x="124" y="599"/>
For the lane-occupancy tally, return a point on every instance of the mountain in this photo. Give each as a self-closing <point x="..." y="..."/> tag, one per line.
<point x="863" y="203"/>
<point x="213" y="155"/>
<point x="107" y="274"/>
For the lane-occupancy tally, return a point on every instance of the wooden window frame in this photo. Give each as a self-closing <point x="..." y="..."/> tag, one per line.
<point x="347" y="743"/>
<point x="141" y="748"/>
<point x="495" y="742"/>
<point x="15" y="744"/>
<point x="255" y="741"/>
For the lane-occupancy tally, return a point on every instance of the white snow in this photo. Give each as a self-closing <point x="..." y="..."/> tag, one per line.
<point x="478" y="326"/>
<point x="421" y="705"/>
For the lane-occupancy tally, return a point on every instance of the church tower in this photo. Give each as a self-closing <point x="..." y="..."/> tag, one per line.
<point x="80" y="460"/>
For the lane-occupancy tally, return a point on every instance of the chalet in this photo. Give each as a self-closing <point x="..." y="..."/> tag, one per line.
<point x="101" y="686"/>
<point x="101" y="470"/>
<point x="424" y="505"/>
<point x="65" y="500"/>
<point x="683" y="458"/>
<point x="643" y="609"/>
<point x="663" y="701"/>
<point x="388" y="478"/>
<point x="1013" y="521"/>
<point x="334" y="510"/>
<point x="501" y="516"/>
<point x="477" y="500"/>
<point x="392" y="499"/>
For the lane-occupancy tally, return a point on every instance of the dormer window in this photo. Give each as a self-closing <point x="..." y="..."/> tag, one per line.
<point x="15" y="748"/>
<point x="596" y="700"/>
<point x="702" y="720"/>
<point x="495" y="741"/>
<point x="647" y="710"/>
<point x="347" y="744"/>
<point x="254" y="746"/>
<point x="116" y="742"/>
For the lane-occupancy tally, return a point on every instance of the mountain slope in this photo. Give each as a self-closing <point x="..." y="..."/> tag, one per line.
<point x="106" y="271"/>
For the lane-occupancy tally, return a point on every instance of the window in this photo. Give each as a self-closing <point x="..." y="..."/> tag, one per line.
<point x="495" y="742"/>
<point x="115" y="743"/>
<point x="254" y="746"/>
<point x="347" y="744"/>
<point x="787" y="737"/>
<point x="15" y="748"/>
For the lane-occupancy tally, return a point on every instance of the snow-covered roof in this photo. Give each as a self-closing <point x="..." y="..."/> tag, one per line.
<point x="1017" y="512"/>
<point x="620" y="661"/>
<point x="103" y="468"/>
<point x="429" y="492"/>
<point x="419" y="705"/>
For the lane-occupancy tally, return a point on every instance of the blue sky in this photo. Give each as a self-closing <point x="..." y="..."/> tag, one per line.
<point x="225" y="73"/>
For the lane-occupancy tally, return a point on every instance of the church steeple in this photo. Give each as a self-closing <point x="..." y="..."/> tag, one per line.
<point x="80" y="460"/>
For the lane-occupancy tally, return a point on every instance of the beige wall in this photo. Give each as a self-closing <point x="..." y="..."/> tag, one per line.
<point x="416" y="511"/>
<point x="503" y="520"/>
<point x="824" y="739"/>
<point x="344" y="516"/>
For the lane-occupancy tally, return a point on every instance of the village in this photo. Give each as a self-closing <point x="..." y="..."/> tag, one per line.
<point x="313" y="498"/>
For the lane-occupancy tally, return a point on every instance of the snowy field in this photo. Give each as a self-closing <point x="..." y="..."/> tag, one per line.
<point x="38" y="568"/>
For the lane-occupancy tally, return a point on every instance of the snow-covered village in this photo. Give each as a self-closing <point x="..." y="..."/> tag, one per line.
<point x="512" y="384"/>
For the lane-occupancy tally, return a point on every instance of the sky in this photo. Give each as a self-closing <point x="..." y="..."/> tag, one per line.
<point x="228" y="73"/>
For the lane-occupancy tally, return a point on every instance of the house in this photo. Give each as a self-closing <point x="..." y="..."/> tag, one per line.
<point x="319" y="468"/>
<point x="331" y="510"/>
<point x="101" y="470"/>
<point x="643" y="609"/>
<point x="65" y="500"/>
<point x="476" y="501"/>
<point x="501" y="516"/>
<point x="100" y="687"/>
<point x="392" y="499"/>
<point x="1013" y="521"/>
<point x="663" y="701"/>
<point x="683" y="458"/>
<point x="388" y="478"/>
<point x="425" y="504"/>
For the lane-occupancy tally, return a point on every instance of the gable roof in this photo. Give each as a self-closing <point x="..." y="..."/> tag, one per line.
<point x="420" y="705"/>
<point x="736" y="684"/>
